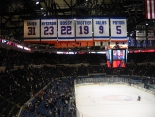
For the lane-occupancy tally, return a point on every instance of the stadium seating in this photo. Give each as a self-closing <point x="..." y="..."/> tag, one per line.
<point x="19" y="84"/>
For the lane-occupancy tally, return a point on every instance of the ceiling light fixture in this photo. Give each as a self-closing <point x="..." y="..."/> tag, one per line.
<point x="37" y="2"/>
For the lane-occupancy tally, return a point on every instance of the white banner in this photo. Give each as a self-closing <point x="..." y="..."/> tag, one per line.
<point x="32" y="30"/>
<point x="66" y="31"/>
<point x="150" y="35"/>
<point x="150" y="32"/>
<point x="84" y="29"/>
<point x="118" y="26"/>
<point x="97" y="43"/>
<point x="48" y="29"/>
<point x="141" y="33"/>
<point x="140" y="27"/>
<point x="101" y="28"/>
<point x="141" y="38"/>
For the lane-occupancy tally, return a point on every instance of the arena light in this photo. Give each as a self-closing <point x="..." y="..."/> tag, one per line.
<point x="37" y="2"/>
<point x="101" y="52"/>
<point x="19" y="46"/>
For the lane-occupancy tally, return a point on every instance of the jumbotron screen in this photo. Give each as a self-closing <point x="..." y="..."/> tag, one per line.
<point x="118" y="54"/>
<point x="119" y="58"/>
<point x="118" y="64"/>
<point x="116" y="58"/>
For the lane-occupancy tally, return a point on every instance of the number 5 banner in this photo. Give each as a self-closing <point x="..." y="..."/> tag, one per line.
<point x="101" y="28"/>
<point x="84" y="29"/>
<point x="66" y="31"/>
<point x="118" y="29"/>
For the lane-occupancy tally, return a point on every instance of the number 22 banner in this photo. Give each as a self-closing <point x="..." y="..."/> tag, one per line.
<point x="66" y="30"/>
<point x="84" y="29"/>
<point x="118" y="26"/>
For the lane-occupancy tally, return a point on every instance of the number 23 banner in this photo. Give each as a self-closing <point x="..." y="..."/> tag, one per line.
<point x="84" y="29"/>
<point x="118" y="27"/>
<point x="48" y="29"/>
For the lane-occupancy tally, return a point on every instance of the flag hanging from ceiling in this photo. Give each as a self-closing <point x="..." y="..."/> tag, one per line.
<point x="150" y="9"/>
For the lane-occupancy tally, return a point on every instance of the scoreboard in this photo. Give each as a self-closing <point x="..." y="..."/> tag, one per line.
<point x="79" y="30"/>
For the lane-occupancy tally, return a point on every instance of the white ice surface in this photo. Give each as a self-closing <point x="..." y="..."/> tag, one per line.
<point x="114" y="101"/>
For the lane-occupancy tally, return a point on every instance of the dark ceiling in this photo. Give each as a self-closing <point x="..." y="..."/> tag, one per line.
<point x="13" y="12"/>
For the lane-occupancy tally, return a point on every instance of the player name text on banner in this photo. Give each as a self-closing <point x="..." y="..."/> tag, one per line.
<point x="66" y="30"/>
<point x="48" y="29"/>
<point x="32" y="30"/>
<point x="118" y="26"/>
<point x="84" y="29"/>
<point x="101" y="28"/>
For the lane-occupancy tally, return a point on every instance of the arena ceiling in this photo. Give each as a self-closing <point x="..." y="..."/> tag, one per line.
<point x="13" y="12"/>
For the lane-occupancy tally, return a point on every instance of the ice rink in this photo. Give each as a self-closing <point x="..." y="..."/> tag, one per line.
<point x="113" y="101"/>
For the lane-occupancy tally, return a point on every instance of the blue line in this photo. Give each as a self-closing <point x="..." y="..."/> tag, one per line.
<point x="48" y="37"/>
<point x="101" y="37"/>
<point x="84" y="37"/>
<point x="66" y="37"/>
<point x="119" y="37"/>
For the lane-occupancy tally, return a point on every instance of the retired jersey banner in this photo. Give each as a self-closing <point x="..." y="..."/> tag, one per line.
<point x="32" y="30"/>
<point x="48" y="29"/>
<point x="84" y="29"/>
<point x="118" y="26"/>
<point x="150" y="34"/>
<point x="141" y="38"/>
<point x="150" y="9"/>
<point x="141" y="33"/>
<point x="101" y="28"/>
<point x="66" y="31"/>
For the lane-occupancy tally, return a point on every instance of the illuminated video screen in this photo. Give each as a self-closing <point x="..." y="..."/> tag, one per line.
<point x="119" y="58"/>
<point x="118" y="54"/>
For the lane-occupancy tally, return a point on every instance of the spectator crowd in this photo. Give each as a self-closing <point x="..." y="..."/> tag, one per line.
<point x="58" y="72"/>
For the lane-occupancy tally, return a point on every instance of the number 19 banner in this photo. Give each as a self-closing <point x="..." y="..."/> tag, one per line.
<point x="84" y="29"/>
<point x="101" y="28"/>
<point x="118" y="29"/>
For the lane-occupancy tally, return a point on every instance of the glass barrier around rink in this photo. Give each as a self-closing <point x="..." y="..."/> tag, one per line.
<point x="105" y="80"/>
